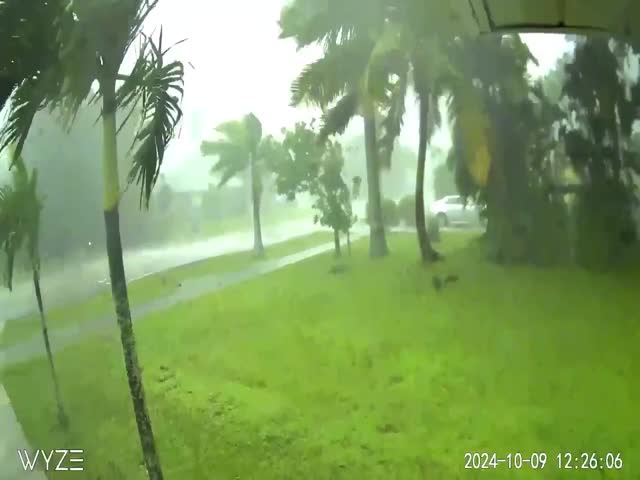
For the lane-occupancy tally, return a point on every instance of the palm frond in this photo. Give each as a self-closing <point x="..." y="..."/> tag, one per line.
<point x="326" y="22"/>
<point x="253" y="128"/>
<point x="27" y="99"/>
<point x="20" y="210"/>
<point x="234" y="131"/>
<point x="336" y="119"/>
<point x="232" y="159"/>
<point x="330" y="76"/>
<point x="233" y="151"/>
<point x="392" y="122"/>
<point x="161" y="90"/>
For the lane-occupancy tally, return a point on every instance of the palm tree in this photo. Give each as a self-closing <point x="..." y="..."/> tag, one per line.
<point x="364" y="43"/>
<point x="20" y="210"/>
<point x="242" y="146"/>
<point x="411" y="49"/>
<point x="87" y="42"/>
<point x="337" y="81"/>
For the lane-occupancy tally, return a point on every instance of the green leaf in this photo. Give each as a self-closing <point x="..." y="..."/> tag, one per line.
<point x="326" y="79"/>
<point x="161" y="89"/>
<point x="336" y="119"/>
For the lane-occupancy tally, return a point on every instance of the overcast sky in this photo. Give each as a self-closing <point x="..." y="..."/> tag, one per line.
<point x="236" y="64"/>
<point x="240" y="66"/>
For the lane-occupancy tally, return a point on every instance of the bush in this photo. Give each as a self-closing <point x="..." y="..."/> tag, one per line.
<point x="407" y="210"/>
<point x="390" y="216"/>
<point x="603" y="215"/>
<point x="549" y="242"/>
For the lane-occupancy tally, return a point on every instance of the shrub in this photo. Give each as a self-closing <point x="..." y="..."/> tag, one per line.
<point x="407" y="210"/>
<point x="390" y="216"/>
<point x="603" y="214"/>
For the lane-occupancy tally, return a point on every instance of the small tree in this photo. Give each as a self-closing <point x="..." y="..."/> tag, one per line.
<point x="390" y="214"/>
<point x="20" y="210"/>
<point x="304" y="164"/>
<point x="333" y="198"/>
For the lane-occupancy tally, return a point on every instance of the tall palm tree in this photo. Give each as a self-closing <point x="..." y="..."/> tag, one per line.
<point x="20" y="210"/>
<point x="351" y="77"/>
<point x="88" y="43"/>
<point x="242" y="146"/>
<point x="337" y="81"/>
<point x="404" y="56"/>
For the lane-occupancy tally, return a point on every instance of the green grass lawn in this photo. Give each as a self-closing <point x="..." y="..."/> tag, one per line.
<point x="370" y="374"/>
<point x="154" y="286"/>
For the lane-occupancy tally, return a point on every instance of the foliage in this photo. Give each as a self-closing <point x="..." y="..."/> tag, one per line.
<point x="237" y="148"/>
<point x="597" y="143"/>
<point x="407" y="210"/>
<point x="20" y="208"/>
<point x="305" y="164"/>
<point x="298" y="166"/>
<point x="390" y="213"/>
<point x="77" y="34"/>
<point x="333" y="198"/>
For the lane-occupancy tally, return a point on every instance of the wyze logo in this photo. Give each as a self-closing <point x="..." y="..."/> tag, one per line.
<point x="53" y="461"/>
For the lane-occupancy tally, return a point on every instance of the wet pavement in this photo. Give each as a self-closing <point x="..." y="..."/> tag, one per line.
<point x="77" y="281"/>
<point x="190" y="290"/>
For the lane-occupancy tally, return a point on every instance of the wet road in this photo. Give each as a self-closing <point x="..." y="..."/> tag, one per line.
<point x="79" y="281"/>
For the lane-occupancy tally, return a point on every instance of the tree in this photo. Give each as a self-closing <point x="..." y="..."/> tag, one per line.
<point x="304" y="165"/>
<point x="20" y="210"/>
<point x="603" y="102"/>
<point x="86" y="42"/>
<point x="243" y="147"/>
<point x="409" y="48"/>
<point x="492" y="134"/>
<point x="336" y="82"/>
<point x="333" y="199"/>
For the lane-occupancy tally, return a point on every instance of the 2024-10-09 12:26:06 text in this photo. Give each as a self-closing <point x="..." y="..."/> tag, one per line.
<point x="540" y="460"/>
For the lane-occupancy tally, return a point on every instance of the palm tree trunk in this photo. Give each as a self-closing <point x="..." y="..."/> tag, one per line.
<point x="62" y="416"/>
<point x="258" y="246"/>
<point x="377" y="239"/>
<point x="349" y="242"/>
<point x="336" y="243"/>
<point x="119" y="283"/>
<point x="427" y="252"/>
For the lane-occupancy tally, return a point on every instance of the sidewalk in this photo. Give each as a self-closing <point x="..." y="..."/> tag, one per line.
<point x="12" y="439"/>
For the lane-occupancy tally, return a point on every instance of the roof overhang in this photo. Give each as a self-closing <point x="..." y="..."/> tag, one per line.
<point x="614" y="17"/>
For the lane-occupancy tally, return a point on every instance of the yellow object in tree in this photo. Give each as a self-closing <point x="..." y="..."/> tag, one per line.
<point x="475" y="128"/>
<point x="479" y="166"/>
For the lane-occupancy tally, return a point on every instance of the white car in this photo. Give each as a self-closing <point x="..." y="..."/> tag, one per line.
<point x="451" y="210"/>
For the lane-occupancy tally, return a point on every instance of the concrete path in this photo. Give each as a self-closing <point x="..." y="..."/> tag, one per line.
<point x="12" y="439"/>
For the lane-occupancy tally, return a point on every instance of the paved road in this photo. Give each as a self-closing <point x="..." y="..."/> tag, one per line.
<point x="76" y="281"/>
